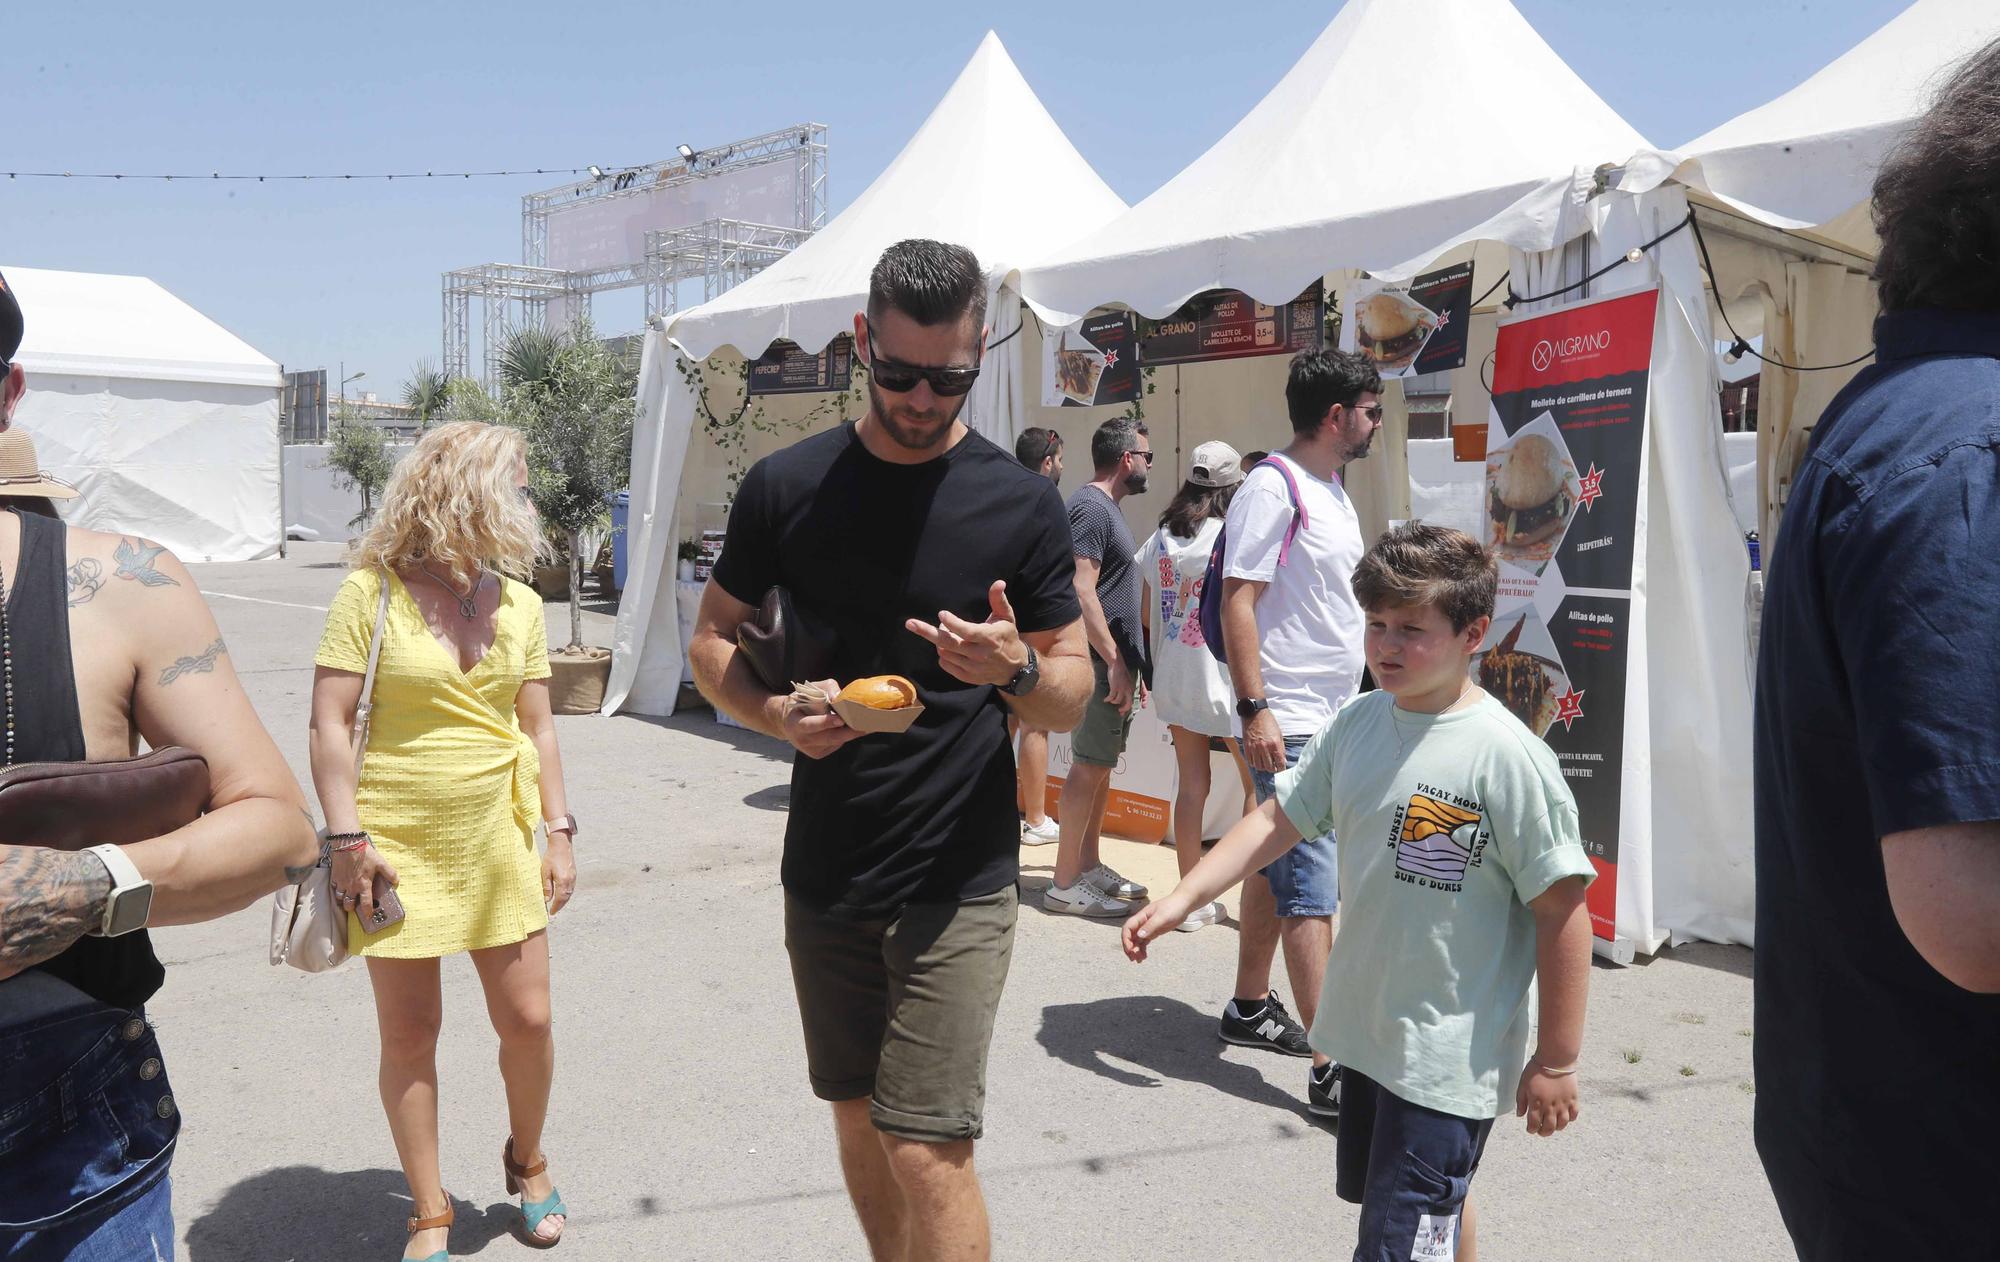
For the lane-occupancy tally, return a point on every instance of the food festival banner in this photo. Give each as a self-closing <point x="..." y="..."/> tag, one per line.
<point x="1406" y="330"/>
<point x="1229" y="324"/>
<point x="785" y="369"/>
<point x="1565" y="476"/>
<point x="1092" y="362"/>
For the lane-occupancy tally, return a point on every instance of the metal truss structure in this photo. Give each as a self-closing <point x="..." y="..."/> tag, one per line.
<point x="721" y="253"/>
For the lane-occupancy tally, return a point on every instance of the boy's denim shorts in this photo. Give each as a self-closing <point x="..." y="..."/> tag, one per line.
<point x="87" y="1126"/>
<point x="1407" y="1166"/>
<point x="1305" y="880"/>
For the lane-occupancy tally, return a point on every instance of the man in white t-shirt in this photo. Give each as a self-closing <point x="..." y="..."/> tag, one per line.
<point x="1292" y="629"/>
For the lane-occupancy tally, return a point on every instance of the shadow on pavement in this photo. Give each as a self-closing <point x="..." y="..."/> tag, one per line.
<point x="1733" y="960"/>
<point x="307" y="1214"/>
<point x="701" y="723"/>
<point x="1164" y="1037"/>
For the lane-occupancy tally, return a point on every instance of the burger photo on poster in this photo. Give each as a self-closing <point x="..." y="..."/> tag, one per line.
<point x="1531" y="494"/>
<point x="1390" y="329"/>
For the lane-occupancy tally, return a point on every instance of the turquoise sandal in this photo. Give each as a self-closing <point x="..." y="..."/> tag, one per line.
<point x="425" y="1224"/>
<point x="533" y="1213"/>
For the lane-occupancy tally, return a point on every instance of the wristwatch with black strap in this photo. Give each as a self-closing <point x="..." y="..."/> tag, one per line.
<point x="1248" y="708"/>
<point x="1026" y="678"/>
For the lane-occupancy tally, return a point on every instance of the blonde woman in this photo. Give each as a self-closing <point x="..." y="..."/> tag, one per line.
<point x="461" y="767"/>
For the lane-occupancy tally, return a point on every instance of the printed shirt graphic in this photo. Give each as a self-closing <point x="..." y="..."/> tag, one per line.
<point x="1449" y="826"/>
<point x="1190" y="688"/>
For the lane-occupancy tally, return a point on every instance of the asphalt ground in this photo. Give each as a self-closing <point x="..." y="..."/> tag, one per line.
<point x="1118" y="1124"/>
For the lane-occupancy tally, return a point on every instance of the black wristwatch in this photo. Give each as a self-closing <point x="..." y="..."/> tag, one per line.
<point x="1026" y="678"/>
<point x="1248" y="708"/>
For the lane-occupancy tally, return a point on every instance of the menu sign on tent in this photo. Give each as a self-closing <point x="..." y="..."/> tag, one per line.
<point x="1228" y="324"/>
<point x="1092" y="362"/>
<point x="785" y="369"/>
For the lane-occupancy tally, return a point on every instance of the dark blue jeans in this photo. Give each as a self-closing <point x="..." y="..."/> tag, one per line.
<point x="87" y="1127"/>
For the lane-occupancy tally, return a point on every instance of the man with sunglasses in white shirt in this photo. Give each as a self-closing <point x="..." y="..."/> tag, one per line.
<point x="1292" y="630"/>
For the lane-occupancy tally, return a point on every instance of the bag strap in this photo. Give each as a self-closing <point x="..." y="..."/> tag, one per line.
<point x="364" y="709"/>
<point x="1300" y="520"/>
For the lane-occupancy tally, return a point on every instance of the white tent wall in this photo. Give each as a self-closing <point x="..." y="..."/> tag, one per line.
<point x="317" y="507"/>
<point x="191" y="465"/>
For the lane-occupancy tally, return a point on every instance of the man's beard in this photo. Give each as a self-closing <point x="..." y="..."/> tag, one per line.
<point x="1136" y="484"/>
<point x="1359" y="450"/>
<point x="909" y="428"/>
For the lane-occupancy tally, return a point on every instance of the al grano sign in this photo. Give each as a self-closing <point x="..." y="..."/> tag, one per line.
<point x="1549" y="352"/>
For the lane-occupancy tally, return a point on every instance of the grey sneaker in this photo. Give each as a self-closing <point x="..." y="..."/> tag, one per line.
<point x="1110" y="882"/>
<point x="1084" y="899"/>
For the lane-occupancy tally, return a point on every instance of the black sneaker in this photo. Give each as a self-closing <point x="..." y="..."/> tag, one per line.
<point x="1269" y="1026"/>
<point x="1323" y="1091"/>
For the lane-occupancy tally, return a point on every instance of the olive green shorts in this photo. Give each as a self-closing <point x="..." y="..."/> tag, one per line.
<point x="900" y="1011"/>
<point x="1099" y="741"/>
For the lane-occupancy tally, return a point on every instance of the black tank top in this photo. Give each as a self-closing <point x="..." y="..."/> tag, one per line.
<point x="48" y="727"/>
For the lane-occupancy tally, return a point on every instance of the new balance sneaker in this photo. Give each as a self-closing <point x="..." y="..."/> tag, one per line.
<point x="1266" y="1026"/>
<point x="1108" y="881"/>
<point x="1323" y="1090"/>
<point x="1084" y="899"/>
<point x="1201" y="918"/>
<point x="1046" y="833"/>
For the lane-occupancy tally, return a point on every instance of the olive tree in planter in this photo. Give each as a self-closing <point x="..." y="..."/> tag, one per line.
<point x="578" y="423"/>
<point x="358" y="453"/>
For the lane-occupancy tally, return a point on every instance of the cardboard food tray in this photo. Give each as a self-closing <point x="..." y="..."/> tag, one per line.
<point x="868" y="719"/>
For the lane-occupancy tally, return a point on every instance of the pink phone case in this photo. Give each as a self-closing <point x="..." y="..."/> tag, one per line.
<point x="388" y="910"/>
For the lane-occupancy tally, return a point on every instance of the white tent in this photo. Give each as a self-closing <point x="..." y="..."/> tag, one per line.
<point x="1407" y="126"/>
<point x="166" y="422"/>
<point x="990" y="170"/>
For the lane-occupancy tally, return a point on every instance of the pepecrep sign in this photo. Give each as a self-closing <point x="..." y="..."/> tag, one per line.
<point x="1547" y="352"/>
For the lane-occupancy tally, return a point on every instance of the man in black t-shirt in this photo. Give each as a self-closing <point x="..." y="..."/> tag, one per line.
<point x="910" y="546"/>
<point x="1107" y="587"/>
<point x="1877" y="743"/>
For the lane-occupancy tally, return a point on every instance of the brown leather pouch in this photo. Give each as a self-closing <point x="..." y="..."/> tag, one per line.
<point x="780" y="645"/>
<point x="76" y="805"/>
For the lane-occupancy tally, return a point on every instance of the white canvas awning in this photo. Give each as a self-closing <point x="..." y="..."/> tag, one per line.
<point x="1408" y="126"/>
<point x="92" y="325"/>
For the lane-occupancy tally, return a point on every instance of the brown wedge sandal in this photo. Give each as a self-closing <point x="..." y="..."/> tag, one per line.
<point x="425" y="1224"/>
<point x="533" y="1214"/>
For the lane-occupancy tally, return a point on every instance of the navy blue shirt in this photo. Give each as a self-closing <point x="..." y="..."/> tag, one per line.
<point x="1878" y="711"/>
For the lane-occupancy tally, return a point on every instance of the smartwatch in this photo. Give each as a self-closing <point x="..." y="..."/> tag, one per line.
<point x="131" y="899"/>
<point x="1026" y="678"/>
<point x="561" y="823"/>
<point x="1248" y="708"/>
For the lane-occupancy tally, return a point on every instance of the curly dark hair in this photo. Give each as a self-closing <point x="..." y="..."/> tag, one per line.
<point x="1937" y="198"/>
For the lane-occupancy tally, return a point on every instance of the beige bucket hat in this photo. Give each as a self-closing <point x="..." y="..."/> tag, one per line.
<point x="20" y="471"/>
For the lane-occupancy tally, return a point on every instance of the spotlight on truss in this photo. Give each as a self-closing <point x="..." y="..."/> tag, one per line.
<point x="596" y="172"/>
<point x="687" y="153"/>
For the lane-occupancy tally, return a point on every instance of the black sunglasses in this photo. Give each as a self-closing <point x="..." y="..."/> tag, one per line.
<point x="946" y="383"/>
<point x="1372" y="412"/>
<point x="1146" y="456"/>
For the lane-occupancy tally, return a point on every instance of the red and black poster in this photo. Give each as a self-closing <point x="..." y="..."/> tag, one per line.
<point x="1409" y="329"/>
<point x="1091" y="363"/>
<point x="1228" y="324"/>
<point x="1565" y="471"/>
<point x="785" y="369"/>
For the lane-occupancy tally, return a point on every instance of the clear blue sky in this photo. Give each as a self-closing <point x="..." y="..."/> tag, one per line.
<point x="318" y="273"/>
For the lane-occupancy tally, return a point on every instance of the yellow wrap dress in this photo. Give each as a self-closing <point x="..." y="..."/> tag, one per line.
<point x="449" y="788"/>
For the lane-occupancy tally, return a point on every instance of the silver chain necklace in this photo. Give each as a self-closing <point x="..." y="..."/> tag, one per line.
<point x="468" y="604"/>
<point x="1397" y="722"/>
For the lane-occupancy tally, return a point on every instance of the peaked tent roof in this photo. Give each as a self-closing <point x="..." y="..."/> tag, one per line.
<point x="989" y="169"/>
<point x="90" y="324"/>
<point x="1406" y="122"/>
<point x="1811" y="154"/>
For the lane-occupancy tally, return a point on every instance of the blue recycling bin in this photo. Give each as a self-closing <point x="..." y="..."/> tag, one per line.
<point x="621" y="510"/>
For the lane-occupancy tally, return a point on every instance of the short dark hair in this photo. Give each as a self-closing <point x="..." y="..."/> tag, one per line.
<point x="929" y="281"/>
<point x="1937" y="199"/>
<point x="1323" y="380"/>
<point x="1421" y="564"/>
<point x="1113" y="439"/>
<point x="1036" y="445"/>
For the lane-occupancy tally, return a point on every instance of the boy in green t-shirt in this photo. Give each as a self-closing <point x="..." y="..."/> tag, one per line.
<point x="1461" y="879"/>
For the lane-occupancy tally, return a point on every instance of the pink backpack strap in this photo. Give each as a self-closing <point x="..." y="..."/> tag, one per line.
<point x="1299" y="519"/>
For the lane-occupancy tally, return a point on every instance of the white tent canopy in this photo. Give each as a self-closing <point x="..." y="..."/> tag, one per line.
<point x="1809" y="156"/>
<point x="990" y="170"/>
<point x="166" y="422"/>
<point x="1408" y="126"/>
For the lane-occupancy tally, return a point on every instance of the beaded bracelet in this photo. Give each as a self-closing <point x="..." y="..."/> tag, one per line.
<point x="346" y="843"/>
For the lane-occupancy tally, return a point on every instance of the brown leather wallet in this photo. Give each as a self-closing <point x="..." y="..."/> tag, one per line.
<point x="780" y="645"/>
<point x="77" y="805"/>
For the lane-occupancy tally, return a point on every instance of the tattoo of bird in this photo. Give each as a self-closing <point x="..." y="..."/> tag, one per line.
<point x="135" y="561"/>
<point x="202" y="665"/>
<point x="86" y="578"/>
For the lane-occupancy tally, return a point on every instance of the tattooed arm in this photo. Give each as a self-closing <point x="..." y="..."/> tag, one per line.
<point x="137" y="604"/>
<point x="48" y="899"/>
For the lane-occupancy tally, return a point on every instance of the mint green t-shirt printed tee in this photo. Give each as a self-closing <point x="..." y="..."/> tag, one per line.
<point x="1449" y="826"/>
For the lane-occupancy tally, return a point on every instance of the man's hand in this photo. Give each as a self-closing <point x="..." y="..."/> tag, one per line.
<point x="816" y="734"/>
<point x="48" y="899"/>
<point x="1264" y="744"/>
<point x="1548" y="1102"/>
<point x="988" y="652"/>
<point x="1119" y="676"/>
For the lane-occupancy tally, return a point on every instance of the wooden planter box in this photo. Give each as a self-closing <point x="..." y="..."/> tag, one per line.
<point x="552" y="581"/>
<point x="576" y="682"/>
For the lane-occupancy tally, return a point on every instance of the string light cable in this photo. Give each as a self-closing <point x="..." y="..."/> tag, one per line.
<point x="1741" y="346"/>
<point x="595" y="172"/>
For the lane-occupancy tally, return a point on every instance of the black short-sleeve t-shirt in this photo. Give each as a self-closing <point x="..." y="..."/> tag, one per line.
<point x="864" y="545"/>
<point x="1876" y="704"/>
<point x="1102" y="536"/>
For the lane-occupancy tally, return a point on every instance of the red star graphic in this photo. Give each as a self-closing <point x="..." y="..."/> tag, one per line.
<point x="1592" y="487"/>
<point x="1569" y="708"/>
<point x="1443" y="318"/>
<point x="1111" y="359"/>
